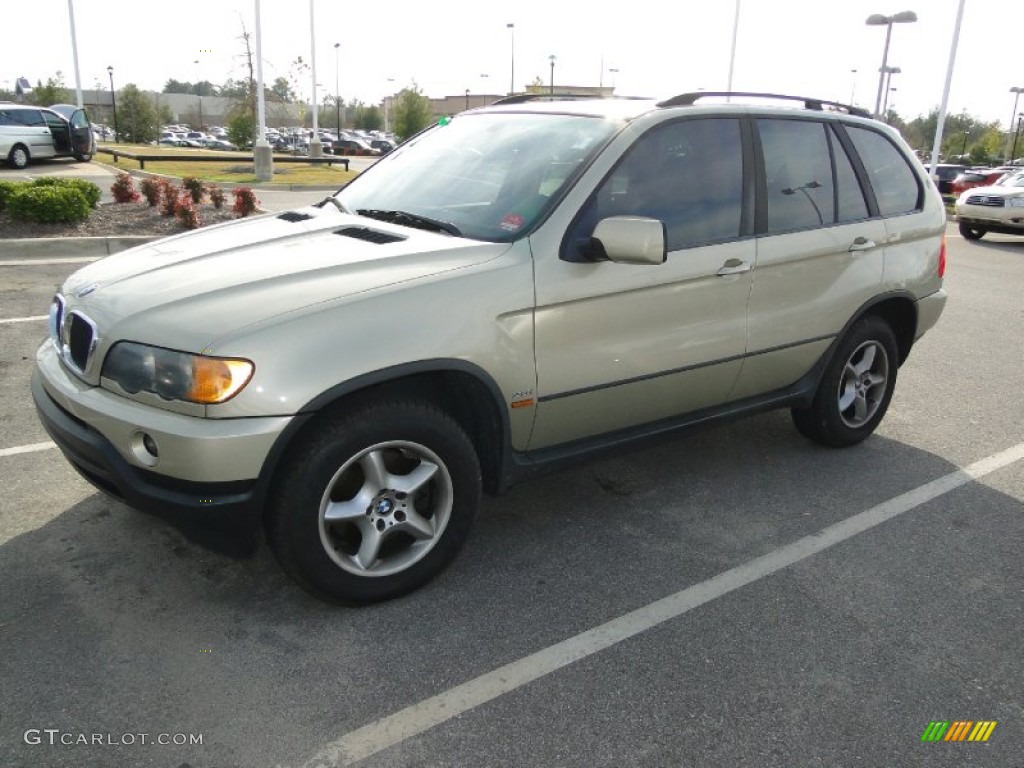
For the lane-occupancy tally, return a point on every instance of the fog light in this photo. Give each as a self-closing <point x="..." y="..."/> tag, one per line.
<point x="145" y="449"/>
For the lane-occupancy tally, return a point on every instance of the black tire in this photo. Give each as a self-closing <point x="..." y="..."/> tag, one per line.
<point x="18" y="157"/>
<point x="84" y="158"/>
<point x="416" y="473"/>
<point x="971" y="233"/>
<point x="854" y="393"/>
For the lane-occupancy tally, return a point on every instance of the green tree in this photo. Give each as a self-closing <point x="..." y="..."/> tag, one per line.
<point x="54" y="92"/>
<point x="412" y="112"/>
<point x="234" y="89"/>
<point x="177" y="86"/>
<point x="136" y="117"/>
<point x="241" y="128"/>
<point x="369" y="118"/>
<point x="281" y="90"/>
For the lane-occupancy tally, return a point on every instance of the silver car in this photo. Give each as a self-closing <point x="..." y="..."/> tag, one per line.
<point x="511" y="289"/>
<point x="32" y="133"/>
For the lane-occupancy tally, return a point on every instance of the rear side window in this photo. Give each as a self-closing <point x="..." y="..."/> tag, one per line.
<point x="798" y="175"/>
<point x="894" y="182"/>
<point x="21" y="117"/>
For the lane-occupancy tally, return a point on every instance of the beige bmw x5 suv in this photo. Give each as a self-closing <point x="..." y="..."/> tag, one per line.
<point x="515" y="287"/>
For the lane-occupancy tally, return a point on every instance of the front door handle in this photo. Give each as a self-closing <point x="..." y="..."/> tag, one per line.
<point x="862" y="244"/>
<point x="733" y="267"/>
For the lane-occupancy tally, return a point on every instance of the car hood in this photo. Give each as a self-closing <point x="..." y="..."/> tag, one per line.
<point x="994" y="191"/>
<point x="187" y="290"/>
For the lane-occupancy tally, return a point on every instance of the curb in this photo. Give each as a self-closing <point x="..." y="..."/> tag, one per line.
<point x="68" y="247"/>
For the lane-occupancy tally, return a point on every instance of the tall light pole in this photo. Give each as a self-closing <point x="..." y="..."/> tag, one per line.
<point x="316" y="149"/>
<point x="853" y="88"/>
<point x="113" y="100"/>
<point x="263" y="155"/>
<point x="732" y="52"/>
<point x="199" y="93"/>
<point x="878" y="20"/>
<point x="387" y="105"/>
<point x="337" y="92"/>
<point x="889" y="72"/>
<point x="1016" y="91"/>
<point x="512" y="43"/>
<point x="1013" y="153"/>
<point x="74" y="54"/>
<point x="613" y="72"/>
<point x="551" y="85"/>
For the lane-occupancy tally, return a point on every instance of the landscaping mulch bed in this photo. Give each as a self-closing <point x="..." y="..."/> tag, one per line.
<point x="115" y="219"/>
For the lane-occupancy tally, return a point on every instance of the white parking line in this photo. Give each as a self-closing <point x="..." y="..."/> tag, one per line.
<point x="44" y="262"/>
<point x="23" y="319"/>
<point x="26" y="449"/>
<point x="393" y="729"/>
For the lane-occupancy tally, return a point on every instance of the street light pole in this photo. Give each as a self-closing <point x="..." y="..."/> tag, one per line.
<point x="512" y="40"/>
<point x="1016" y="91"/>
<point x="963" y="149"/>
<point x="467" y="98"/>
<point x="199" y="93"/>
<point x="113" y="101"/>
<point x="877" y="19"/>
<point x="337" y="93"/>
<point x="1013" y="154"/>
<point x="551" y="86"/>
<point x="889" y="72"/>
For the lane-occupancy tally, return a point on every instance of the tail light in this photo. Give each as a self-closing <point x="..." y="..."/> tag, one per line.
<point x="942" y="257"/>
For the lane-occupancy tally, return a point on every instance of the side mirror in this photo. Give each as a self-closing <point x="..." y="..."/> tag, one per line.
<point x="631" y="240"/>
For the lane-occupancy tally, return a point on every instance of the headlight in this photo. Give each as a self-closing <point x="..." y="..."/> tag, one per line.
<point x="175" y="375"/>
<point x="1015" y="202"/>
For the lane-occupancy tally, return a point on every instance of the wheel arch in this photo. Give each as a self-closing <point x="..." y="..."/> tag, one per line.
<point x="22" y="145"/>
<point x="463" y="390"/>
<point x="899" y="310"/>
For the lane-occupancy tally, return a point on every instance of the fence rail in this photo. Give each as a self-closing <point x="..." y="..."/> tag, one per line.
<point x="142" y="159"/>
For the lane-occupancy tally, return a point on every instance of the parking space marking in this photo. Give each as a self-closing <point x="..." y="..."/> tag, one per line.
<point x="48" y="262"/>
<point x="23" y="319"/>
<point x="406" y="723"/>
<point x="26" y="449"/>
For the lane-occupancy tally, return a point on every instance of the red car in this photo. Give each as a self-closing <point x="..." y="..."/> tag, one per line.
<point x="977" y="177"/>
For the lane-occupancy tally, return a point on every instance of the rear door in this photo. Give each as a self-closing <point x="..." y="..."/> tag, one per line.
<point x="34" y="132"/>
<point x="820" y="250"/>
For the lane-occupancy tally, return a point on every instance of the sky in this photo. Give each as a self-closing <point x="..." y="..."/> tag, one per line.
<point x="819" y="48"/>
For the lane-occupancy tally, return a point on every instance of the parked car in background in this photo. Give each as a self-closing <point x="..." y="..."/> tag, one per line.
<point x="32" y="133"/>
<point x="997" y="208"/>
<point x="384" y="145"/>
<point x="220" y="144"/>
<point x="354" y="147"/>
<point x="977" y="177"/>
<point x="944" y="174"/>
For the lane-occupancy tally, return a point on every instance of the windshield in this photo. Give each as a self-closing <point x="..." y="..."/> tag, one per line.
<point x="490" y="176"/>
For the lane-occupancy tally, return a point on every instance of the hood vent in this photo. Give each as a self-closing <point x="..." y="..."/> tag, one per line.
<point x="370" y="235"/>
<point x="294" y="216"/>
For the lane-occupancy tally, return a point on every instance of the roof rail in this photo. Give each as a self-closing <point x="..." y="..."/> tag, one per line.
<point x="688" y="99"/>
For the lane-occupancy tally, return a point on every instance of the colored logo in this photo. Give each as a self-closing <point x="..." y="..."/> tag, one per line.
<point x="958" y="730"/>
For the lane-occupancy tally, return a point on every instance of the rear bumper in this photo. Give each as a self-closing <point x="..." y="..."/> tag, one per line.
<point x="223" y="515"/>
<point x="928" y="310"/>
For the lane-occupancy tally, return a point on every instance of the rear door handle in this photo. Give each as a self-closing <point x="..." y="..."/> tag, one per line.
<point x="862" y="244"/>
<point x="733" y="267"/>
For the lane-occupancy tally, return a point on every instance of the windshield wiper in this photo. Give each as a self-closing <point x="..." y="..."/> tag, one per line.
<point x="411" y="220"/>
<point x="336" y="201"/>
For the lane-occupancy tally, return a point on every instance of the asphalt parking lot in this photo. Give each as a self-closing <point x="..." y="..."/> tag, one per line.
<point x="734" y="597"/>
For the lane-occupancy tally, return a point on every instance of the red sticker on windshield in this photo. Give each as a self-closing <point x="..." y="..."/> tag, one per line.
<point x="512" y="222"/>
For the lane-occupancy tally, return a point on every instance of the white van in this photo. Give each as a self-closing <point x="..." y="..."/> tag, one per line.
<point x="30" y="133"/>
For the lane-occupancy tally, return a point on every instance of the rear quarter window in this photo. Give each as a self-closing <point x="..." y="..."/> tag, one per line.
<point x="896" y="186"/>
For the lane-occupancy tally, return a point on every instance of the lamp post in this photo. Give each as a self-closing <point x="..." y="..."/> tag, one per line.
<point x="889" y="72"/>
<point x="387" y="104"/>
<point x="113" y="101"/>
<point x="613" y="72"/>
<point x="199" y="93"/>
<point x="853" y="88"/>
<point x="467" y="98"/>
<point x="337" y="94"/>
<point x="512" y="43"/>
<point x="878" y="20"/>
<point x="551" y="85"/>
<point x="1016" y="91"/>
<point x="963" y="149"/>
<point x="1013" y="153"/>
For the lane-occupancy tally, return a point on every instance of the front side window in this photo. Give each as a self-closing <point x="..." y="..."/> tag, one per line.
<point x="492" y="176"/>
<point x="688" y="174"/>
<point x="798" y="174"/>
<point x="895" y="184"/>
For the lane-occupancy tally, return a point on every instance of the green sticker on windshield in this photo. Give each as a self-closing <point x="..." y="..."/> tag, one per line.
<point x="444" y="120"/>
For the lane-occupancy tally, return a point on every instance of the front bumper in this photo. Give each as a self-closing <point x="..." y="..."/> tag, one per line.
<point x="93" y="429"/>
<point x="1009" y="220"/>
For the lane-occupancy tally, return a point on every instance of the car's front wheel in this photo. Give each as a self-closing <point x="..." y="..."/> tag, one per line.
<point x="375" y="502"/>
<point x="84" y="157"/>
<point x="972" y="233"/>
<point x="855" y="391"/>
<point x="18" y="157"/>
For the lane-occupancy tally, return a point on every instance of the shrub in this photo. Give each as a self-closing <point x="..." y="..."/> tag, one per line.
<point x="151" y="191"/>
<point x="216" y="195"/>
<point x="169" y="195"/>
<point x="7" y="188"/>
<point x="194" y="187"/>
<point x="123" y="189"/>
<point x="245" y="201"/>
<point x="186" y="211"/>
<point x="48" y="203"/>
<point x="88" y="190"/>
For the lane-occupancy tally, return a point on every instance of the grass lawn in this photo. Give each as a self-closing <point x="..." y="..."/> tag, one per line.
<point x="237" y="167"/>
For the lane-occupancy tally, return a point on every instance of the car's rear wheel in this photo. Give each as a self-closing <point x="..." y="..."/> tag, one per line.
<point x="83" y="158"/>
<point x="972" y="233"/>
<point x="18" y="157"/>
<point x="375" y="502"/>
<point x="855" y="391"/>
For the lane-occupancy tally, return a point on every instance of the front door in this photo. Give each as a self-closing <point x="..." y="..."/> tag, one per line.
<point x="622" y="345"/>
<point x="82" y="139"/>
